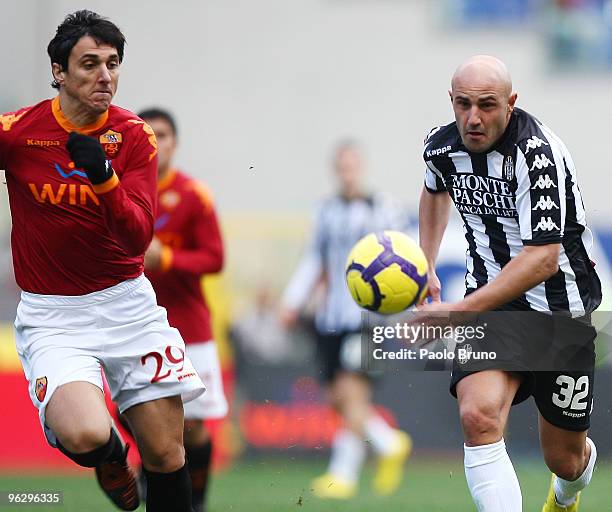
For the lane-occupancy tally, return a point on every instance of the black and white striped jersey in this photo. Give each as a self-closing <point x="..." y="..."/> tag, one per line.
<point x="523" y="191"/>
<point x="339" y="225"/>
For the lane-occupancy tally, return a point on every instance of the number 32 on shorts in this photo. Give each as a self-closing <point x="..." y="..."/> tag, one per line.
<point x="572" y="392"/>
<point x="159" y="361"/>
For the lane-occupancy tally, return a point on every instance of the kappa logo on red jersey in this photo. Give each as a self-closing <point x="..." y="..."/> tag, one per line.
<point x="111" y="142"/>
<point x="42" y="143"/>
<point x="40" y="388"/>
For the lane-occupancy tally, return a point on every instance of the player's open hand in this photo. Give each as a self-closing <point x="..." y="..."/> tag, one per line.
<point x="87" y="154"/>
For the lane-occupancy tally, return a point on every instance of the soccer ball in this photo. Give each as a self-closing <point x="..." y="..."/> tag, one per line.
<point x="386" y="272"/>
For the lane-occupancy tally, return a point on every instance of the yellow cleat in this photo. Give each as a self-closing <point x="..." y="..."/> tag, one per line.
<point x="551" y="504"/>
<point x="329" y="486"/>
<point x="391" y="467"/>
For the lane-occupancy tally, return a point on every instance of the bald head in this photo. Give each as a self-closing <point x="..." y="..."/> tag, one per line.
<point x="483" y="69"/>
<point x="483" y="100"/>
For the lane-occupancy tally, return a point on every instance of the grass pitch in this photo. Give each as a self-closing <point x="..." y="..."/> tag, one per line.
<point x="281" y="485"/>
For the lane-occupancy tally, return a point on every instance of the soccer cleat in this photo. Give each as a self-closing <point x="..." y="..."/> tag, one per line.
<point x="118" y="481"/>
<point x="551" y="504"/>
<point x="329" y="486"/>
<point x="391" y="467"/>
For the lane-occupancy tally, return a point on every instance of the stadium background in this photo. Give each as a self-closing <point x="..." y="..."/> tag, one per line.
<point x="262" y="90"/>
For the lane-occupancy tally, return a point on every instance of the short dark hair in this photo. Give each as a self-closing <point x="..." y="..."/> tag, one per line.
<point x="80" y="24"/>
<point x="159" y="113"/>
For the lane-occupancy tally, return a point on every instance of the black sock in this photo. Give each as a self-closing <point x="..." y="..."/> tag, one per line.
<point x="198" y="461"/>
<point x="168" y="491"/>
<point x="111" y="451"/>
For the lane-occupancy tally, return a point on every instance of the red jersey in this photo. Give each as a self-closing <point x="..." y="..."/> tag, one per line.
<point x="187" y="227"/>
<point x="70" y="237"/>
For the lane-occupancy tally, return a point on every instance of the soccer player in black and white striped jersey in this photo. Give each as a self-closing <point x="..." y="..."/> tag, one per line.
<point x="341" y="221"/>
<point x="514" y="183"/>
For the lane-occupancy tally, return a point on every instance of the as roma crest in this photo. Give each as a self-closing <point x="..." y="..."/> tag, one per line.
<point x="111" y="142"/>
<point x="41" y="388"/>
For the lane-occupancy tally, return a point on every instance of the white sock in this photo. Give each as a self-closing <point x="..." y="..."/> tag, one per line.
<point x="381" y="435"/>
<point x="347" y="456"/>
<point x="491" y="478"/>
<point x="565" y="490"/>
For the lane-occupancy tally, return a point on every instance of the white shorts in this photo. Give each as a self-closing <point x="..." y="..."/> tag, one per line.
<point x="63" y="339"/>
<point x="212" y="404"/>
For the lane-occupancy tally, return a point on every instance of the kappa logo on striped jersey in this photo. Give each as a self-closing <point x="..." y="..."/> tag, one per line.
<point x="541" y="162"/>
<point x="438" y="151"/>
<point x="545" y="204"/>
<point x="543" y="182"/>
<point x="546" y="224"/>
<point x="534" y="143"/>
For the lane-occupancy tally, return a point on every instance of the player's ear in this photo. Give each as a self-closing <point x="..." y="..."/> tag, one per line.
<point x="58" y="73"/>
<point x="450" y="94"/>
<point x="512" y="101"/>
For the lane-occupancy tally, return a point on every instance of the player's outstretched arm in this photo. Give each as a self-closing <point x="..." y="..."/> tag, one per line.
<point x="434" y="210"/>
<point x="128" y="204"/>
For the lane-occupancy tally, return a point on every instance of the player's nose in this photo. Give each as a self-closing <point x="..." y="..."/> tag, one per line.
<point x="474" y="118"/>
<point x="104" y="75"/>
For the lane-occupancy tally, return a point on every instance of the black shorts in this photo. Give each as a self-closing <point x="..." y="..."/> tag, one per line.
<point x="554" y="355"/>
<point x="338" y="352"/>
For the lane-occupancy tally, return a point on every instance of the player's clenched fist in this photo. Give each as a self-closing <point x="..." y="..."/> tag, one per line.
<point x="87" y="154"/>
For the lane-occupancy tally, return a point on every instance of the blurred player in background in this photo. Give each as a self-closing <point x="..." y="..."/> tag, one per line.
<point x="340" y="222"/>
<point x="81" y="177"/>
<point x="187" y="245"/>
<point x="514" y="183"/>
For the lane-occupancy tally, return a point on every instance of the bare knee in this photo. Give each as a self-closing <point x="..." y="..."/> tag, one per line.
<point x="78" y="417"/>
<point x="166" y="457"/>
<point x="158" y="427"/>
<point x="84" y="438"/>
<point x="481" y="423"/>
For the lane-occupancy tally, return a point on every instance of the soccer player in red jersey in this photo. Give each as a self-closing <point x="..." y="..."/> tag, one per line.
<point x="81" y="177"/>
<point x="187" y="245"/>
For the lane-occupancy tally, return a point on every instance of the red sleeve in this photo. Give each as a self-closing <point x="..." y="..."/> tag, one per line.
<point x="129" y="202"/>
<point x="6" y="134"/>
<point x="207" y="257"/>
